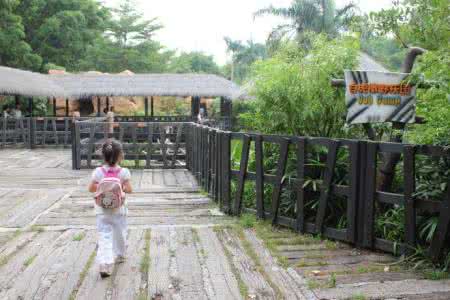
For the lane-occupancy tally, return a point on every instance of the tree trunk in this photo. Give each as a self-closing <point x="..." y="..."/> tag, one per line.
<point x="386" y="173"/>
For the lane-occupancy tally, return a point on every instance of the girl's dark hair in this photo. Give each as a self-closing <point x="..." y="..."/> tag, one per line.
<point x="111" y="151"/>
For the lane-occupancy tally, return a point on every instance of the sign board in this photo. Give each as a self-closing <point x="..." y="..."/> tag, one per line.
<point x="378" y="97"/>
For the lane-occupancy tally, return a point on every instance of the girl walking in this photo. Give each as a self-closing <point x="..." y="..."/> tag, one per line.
<point x="110" y="183"/>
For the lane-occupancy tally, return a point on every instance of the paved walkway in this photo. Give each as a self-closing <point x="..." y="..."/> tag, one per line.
<point x="179" y="245"/>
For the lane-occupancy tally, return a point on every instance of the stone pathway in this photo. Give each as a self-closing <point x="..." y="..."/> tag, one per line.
<point x="179" y="245"/>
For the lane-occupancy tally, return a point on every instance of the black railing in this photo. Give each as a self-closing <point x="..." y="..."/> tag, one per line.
<point x="15" y="132"/>
<point x="299" y="182"/>
<point x="153" y="119"/>
<point x="146" y="145"/>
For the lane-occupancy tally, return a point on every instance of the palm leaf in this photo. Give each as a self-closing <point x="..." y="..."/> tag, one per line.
<point x="275" y="11"/>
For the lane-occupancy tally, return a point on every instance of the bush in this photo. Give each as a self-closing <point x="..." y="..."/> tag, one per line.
<point x="293" y="91"/>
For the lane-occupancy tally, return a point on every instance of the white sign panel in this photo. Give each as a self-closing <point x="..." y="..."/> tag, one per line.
<point x="378" y="97"/>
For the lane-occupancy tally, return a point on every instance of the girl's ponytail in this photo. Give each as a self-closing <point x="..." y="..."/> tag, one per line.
<point x="111" y="151"/>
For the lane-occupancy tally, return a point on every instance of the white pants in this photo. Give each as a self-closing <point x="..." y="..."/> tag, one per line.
<point x="112" y="236"/>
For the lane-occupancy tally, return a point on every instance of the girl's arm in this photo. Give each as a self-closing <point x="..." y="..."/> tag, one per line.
<point x="93" y="186"/>
<point x="127" y="188"/>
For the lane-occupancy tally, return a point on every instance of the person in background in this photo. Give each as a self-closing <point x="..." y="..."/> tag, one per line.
<point x="75" y="115"/>
<point x="17" y="111"/>
<point x="6" y="111"/>
<point x="104" y="113"/>
<point x="110" y="120"/>
<point x="201" y="116"/>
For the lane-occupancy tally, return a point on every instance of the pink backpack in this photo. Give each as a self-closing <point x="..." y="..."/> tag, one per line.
<point x="109" y="190"/>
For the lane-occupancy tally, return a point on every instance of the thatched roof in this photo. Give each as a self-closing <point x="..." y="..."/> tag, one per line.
<point x="18" y="82"/>
<point x="27" y="83"/>
<point x="203" y="85"/>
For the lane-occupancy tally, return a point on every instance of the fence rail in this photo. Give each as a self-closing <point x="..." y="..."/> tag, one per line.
<point x="344" y="173"/>
<point x="57" y="131"/>
<point x="146" y="144"/>
<point x="153" y="119"/>
<point x="15" y="132"/>
<point x="37" y="131"/>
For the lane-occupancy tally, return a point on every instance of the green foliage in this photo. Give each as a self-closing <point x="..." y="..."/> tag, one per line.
<point x="60" y="31"/>
<point x="247" y="220"/>
<point x="128" y="27"/>
<point x="79" y="35"/>
<point x="390" y="224"/>
<point x="434" y="103"/>
<point x="193" y="62"/>
<point x="424" y="23"/>
<point x="359" y="297"/>
<point x="419" y="22"/>
<point x="15" y="51"/>
<point x="243" y="56"/>
<point x="436" y="275"/>
<point x="293" y="91"/>
<point x="106" y="56"/>
<point x="130" y="46"/>
<point x="319" y="16"/>
<point x="39" y="105"/>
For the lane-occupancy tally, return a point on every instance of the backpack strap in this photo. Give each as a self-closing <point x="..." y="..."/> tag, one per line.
<point x="112" y="172"/>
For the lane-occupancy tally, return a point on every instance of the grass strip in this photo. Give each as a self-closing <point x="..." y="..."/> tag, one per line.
<point x="243" y="288"/>
<point x="144" y="266"/>
<point x="83" y="275"/>
<point x="29" y="260"/>
<point x="248" y="248"/>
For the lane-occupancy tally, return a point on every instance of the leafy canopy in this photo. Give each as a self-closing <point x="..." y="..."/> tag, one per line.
<point x="319" y="16"/>
<point x="193" y="62"/>
<point x="15" y="51"/>
<point x="243" y="56"/>
<point x="293" y="91"/>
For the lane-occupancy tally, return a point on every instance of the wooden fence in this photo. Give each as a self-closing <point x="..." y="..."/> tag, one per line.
<point x="313" y="176"/>
<point x="160" y="119"/>
<point x="146" y="144"/>
<point x="15" y="132"/>
<point x="36" y="132"/>
<point x="57" y="131"/>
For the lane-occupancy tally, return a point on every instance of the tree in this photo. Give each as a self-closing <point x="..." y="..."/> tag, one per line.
<point x="293" y="92"/>
<point x="320" y="16"/>
<point x="127" y="45"/>
<point x="107" y="56"/>
<point x="60" y="31"/>
<point x="193" y="62"/>
<point x="130" y="27"/>
<point x="243" y="56"/>
<point x="424" y="23"/>
<point x="14" y="50"/>
<point x="420" y="22"/>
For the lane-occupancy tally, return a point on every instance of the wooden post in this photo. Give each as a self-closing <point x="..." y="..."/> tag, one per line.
<point x="54" y="106"/>
<point x="98" y="107"/>
<point x="225" y="112"/>
<point x="152" y="111"/>
<point x="226" y="171"/>
<point x="146" y="107"/>
<point x="30" y="106"/>
<point x="195" y="107"/>
<point x="107" y="103"/>
<point x="67" y="107"/>
<point x="237" y="207"/>
<point x="32" y="133"/>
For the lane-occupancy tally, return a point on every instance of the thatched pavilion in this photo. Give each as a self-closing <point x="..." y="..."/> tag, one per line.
<point x="17" y="82"/>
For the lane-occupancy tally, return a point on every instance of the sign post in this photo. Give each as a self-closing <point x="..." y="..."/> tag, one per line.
<point x="379" y="97"/>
